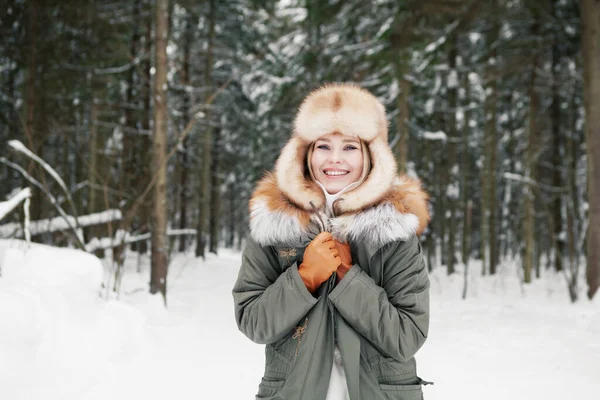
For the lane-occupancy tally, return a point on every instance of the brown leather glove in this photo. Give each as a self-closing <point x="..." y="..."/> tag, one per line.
<point x="321" y="260"/>
<point x="346" y="259"/>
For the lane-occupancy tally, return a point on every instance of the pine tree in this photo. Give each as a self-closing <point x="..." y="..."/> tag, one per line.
<point x="158" y="277"/>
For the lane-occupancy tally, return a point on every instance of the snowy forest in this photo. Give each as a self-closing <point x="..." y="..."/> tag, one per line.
<point x="186" y="104"/>
<point x="133" y="132"/>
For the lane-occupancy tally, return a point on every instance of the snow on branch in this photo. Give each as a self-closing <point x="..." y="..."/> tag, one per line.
<point x="434" y="45"/>
<point x="534" y="183"/>
<point x="76" y="232"/>
<point x="519" y="178"/>
<point x="60" y="223"/>
<point x="20" y="147"/>
<point x="431" y="47"/>
<point x="7" y="206"/>
<point x="124" y="237"/>
<point x="439" y="135"/>
<point x="107" y="71"/>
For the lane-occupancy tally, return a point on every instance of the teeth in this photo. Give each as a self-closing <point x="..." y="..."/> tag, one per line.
<point x="335" y="173"/>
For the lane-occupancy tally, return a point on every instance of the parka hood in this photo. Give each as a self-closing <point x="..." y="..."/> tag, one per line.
<point x="287" y="206"/>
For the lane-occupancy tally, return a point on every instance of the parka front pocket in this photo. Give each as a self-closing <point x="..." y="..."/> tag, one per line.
<point x="401" y="392"/>
<point x="268" y="389"/>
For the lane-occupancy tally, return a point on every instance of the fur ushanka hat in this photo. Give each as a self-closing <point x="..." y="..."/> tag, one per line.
<point x="385" y="206"/>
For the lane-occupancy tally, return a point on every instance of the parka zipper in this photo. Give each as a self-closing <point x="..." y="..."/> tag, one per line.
<point x="316" y="211"/>
<point x="311" y="358"/>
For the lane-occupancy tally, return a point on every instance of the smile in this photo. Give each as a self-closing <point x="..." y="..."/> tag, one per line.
<point x="336" y="173"/>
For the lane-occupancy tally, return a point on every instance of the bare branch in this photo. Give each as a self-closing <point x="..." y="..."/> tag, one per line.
<point x="52" y="199"/>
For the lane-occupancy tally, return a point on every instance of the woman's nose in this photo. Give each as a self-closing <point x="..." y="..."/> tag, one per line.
<point x="336" y="156"/>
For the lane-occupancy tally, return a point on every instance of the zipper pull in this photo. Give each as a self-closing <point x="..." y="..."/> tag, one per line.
<point x="299" y="331"/>
<point x="424" y="383"/>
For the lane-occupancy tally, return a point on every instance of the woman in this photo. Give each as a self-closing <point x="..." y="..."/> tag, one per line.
<point x="332" y="277"/>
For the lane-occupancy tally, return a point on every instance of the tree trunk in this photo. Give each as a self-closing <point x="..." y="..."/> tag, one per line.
<point x="484" y="215"/>
<point x="312" y="59"/>
<point x="441" y="178"/>
<point x="452" y="171"/>
<point x="129" y="172"/>
<point x="128" y="178"/>
<point x="401" y="148"/>
<point x="159" y="263"/>
<point x="590" y="13"/>
<point x="468" y="214"/>
<point x="508" y="203"/>
<point x="493" y="229"/>
<point x="515" y="202"/>
<point x="98" y="166"/>
<point x="494" y="253"/>
<point x="232" y="215"/>
<point x="143" y="157"/>
<point x="466" y="175"/>
<point x="539" y="245"/>
<point x="215" y="198"/>
<point x="93" y="156"/>
<point x="571" y="200"/>
<point x="529" y="258"/>
<point x="205" y="179"/>
<point x="429" y="243"/>
<point x="401" y="60"/>
<point x="182" y="155"/>
<point x="31" y="102"/>
<point x="557" y="165"/>
<point x="489" y="241"/>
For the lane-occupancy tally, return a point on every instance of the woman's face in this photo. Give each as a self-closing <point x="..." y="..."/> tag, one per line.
<point x="337" y="161"/>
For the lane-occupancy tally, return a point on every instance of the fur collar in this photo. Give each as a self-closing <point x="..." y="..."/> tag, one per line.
<point x="396" y="215"/>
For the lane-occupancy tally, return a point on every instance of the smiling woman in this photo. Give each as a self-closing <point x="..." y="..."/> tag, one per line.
<point x="332" y="277"/>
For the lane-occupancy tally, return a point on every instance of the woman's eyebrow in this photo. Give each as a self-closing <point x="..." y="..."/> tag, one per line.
<point x="353" y="141"/>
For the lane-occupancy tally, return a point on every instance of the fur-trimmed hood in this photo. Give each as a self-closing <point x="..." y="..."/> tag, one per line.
<point x="287" y="207"/>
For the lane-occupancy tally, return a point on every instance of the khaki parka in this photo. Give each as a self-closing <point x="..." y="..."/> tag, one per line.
<point x="378" y="314"/>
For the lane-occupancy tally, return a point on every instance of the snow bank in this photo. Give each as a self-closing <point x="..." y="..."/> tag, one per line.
<point x="507" y="340"/>
<point x="57" y="335"/>
<point x="60" y="341"/>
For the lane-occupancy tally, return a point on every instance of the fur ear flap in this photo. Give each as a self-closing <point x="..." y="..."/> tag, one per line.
<point x="291" y="179"/>
<point x="408" y="197"/>
<point x="273" y="218"/>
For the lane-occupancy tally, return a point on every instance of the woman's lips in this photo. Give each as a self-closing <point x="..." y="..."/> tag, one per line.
<point x="335" y="173"/>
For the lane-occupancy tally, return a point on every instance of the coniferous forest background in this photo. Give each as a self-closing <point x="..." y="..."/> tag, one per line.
<point x="159" y="116"/>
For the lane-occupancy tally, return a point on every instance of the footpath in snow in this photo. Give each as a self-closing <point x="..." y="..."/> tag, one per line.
<point x="60" y="340"/>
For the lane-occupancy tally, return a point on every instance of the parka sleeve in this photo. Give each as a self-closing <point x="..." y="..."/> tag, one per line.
<point x="395" y="317"/>
<point x="268" y="304"/>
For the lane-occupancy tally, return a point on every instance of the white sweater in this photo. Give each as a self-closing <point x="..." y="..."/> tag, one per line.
<point x="338" y="388"/>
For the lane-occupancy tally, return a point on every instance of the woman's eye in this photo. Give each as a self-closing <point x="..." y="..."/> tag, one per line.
<point x="323" y="147"/>
<point x="350" y="147"/>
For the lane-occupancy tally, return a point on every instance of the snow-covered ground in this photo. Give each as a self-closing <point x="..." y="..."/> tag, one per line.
<point x="59" y="339"/>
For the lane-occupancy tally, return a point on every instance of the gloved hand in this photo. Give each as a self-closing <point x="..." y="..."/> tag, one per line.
<point x="321" y="260"/>
<point x="346" y="259"/>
